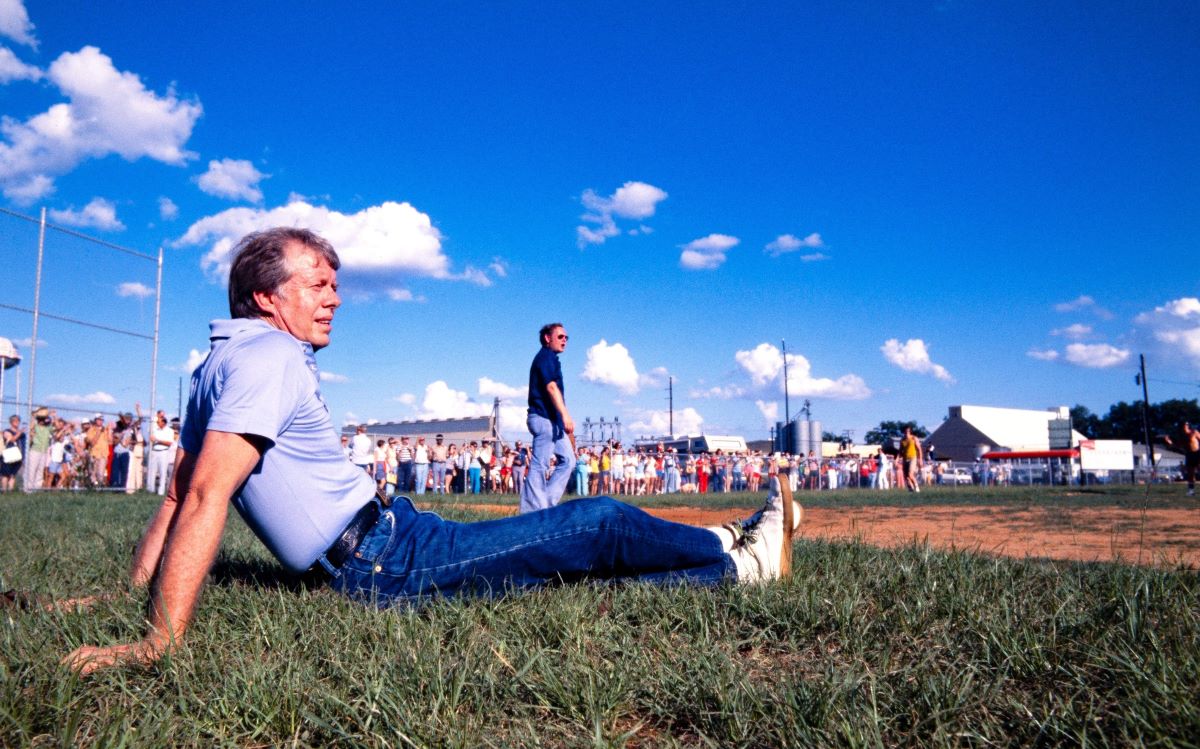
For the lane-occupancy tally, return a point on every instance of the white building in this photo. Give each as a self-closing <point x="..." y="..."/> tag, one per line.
<point x="970" y="431"/>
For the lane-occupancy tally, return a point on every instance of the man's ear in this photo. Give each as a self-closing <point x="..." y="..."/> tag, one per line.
<point x="265" y="301"/>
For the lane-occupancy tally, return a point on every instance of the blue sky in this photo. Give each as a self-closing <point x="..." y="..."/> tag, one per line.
<point x="933" y="203"/>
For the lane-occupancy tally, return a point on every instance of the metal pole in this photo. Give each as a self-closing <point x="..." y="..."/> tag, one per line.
<point x="1146" y="417"/>
<point x="154" y="356"/>
<point x="671" y="404"/>
<point x="37" y="307"/>
<point x="787" y="411"/>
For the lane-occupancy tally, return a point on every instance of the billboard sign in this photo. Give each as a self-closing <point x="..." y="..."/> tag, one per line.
<point x="1106" y="455"/>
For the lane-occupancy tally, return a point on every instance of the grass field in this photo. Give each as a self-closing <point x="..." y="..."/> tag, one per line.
<point x="861" y="647"/>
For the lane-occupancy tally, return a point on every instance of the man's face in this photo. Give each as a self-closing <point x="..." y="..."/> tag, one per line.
<point x="558" y="340"/>
<point x="304" y="305"/>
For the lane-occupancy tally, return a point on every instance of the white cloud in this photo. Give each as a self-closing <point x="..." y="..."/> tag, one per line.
<point x="444" y="402"/>
<point x="235" y="179"/>
<point x="403" y="295"/>
<point x="98" y="214"/>
<point x="1095" y="355"/>
<point x="12" y="69"/>
<point x="27" y="342"/>
<point x="814" y="257"/>
<point x="785" y="243"/>
<point x="655" y="378"/>
<point x="407" y="399"/>
<point x="611" y="365"/>
<point x="390" y="237"/>
<point x="134" y="289"/>
<point x="1075" y="332"/>
<point x="98" y="397"/>
<point x="913" y="356"/>
<point x="498" y="267"/>
<point x="708" y="252"/>
<point x="658" y="423"/>
<point x="633" y="200"/>
<point x="167" y="210"/>
<point x="15" y="24"/>
<point x="195" y="358"/>
<point x="1042" y="355"/>
<point x="764" y="365"/>
<point x="108" y="112"/>
<point x="1083" y="302"/>
<point x="770" y="411"/>
<point x="1173" y="329"/>
<point x="489" y="388"/>
<point x="331" y="377"/>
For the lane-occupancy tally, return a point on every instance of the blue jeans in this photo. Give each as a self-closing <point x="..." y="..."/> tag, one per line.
<point x="404" y="472"/>
<point x="473" y="474"/>
<point x="581" y="479"/>
<point x="422" y="471"/>
<point x="549" y="440"/>
<point x="439" y="476"/>
<point x="411" y="555"/>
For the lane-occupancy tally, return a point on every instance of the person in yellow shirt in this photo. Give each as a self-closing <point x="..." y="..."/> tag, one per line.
<point x="913" y="457"/>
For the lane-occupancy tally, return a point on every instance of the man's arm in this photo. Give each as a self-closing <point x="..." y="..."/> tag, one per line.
<point x="192" y="539"/>
<point x="149" y="550"/>
<point x="560" y="405"/>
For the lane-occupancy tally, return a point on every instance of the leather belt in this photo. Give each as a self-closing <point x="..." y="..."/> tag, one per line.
<point x="348" y="541"/>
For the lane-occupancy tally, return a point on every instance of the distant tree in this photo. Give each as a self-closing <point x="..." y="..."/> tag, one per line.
<point x="1124" y="420"/>
<point x="830" y="437"/>
<point x="1085" y="422"/>
<point x="889" y="429"/>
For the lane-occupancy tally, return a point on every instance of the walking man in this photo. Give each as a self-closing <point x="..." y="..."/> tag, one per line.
<point x="258" y="435"/>
<point x="913" y="458"/>
<point x="550" y="423"/>
<point x="1191" y="455"/>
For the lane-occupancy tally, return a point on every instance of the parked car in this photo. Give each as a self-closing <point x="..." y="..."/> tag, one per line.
<point x="957" y="476"/>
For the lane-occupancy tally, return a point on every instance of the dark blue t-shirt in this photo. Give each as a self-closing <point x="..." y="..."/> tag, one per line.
<point x="545" y="370"/>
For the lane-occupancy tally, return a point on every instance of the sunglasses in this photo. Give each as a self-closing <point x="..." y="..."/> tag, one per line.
<point x="562" y="336"/>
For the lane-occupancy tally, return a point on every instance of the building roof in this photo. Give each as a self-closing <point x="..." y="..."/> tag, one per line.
<point x="969" y="431"/>
<point x="480" y="429"/>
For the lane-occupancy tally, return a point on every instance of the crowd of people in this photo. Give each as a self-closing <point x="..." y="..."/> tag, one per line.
<point x="56" y="453"/>
<point x="402" y="465"/>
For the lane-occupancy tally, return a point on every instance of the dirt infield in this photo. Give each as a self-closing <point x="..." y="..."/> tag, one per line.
<point x="1159" y="537"/>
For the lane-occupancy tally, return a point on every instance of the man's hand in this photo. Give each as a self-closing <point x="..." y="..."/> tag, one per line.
<point x="89" y="658"/>
<point x="568" y="424"/>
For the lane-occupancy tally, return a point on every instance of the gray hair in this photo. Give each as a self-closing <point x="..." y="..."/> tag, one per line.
<point x="260" y="264"/>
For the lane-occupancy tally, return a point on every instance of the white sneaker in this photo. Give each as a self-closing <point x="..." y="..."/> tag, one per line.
<point x="764" y="552"/>
<point x="1191" y="492"/>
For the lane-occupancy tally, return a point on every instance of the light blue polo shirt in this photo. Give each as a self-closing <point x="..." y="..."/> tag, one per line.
<point x="260" y="380"/>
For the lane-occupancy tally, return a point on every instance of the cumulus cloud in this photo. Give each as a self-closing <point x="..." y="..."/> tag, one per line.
<point x="1042" y="354"/>
<point x="333" y="377"/>
<point x="913" y="356"/>
<point x="489" y="388"/>
<point x="633" y="200"/>
<point x="12" y="69"/>
<point x="234" y="179"/>
<point x="107" y="112"/>
<point x="770" y="411"/>
<point x="98" y="214"/>
<point x="15" y="24"/>
<point x="97" y="398"/>
<point x="444" y="402"/>
<point x="1084" y="302"/>
<point x="652" y="423"/>
<point x="611" y="365"/>
<point x="167" y="210"/>
<point x="1074" y="332"/>
<point x="1095" y="355"/>
<point x="785" y="243"/>
<point x="498" y="267"/>
<point x="390" y="237"/>
<point x="655" y="378"/>
<point x="134" y="289"/>
<point x="403" y="295"/>
<point x="764" y="366"/>
<point x="195" y="358"/>
<point x="706" y="253"/>
<point x="1173" y="329"/>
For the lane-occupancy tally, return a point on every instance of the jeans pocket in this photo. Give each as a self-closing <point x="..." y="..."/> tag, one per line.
<point x="379" y="541"/>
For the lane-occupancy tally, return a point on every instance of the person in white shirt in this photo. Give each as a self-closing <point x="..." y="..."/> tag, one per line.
<point x="161" y="439"/>
<point x="361" y="449"/>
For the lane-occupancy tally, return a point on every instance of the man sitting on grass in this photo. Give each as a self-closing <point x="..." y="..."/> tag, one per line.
<point x="259" y="434"/>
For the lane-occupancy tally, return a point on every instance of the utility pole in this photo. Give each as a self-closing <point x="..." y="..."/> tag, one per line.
<point x="1141" y="380"/>
<point x="787" y="411"/>
<point x="671" y="404"/>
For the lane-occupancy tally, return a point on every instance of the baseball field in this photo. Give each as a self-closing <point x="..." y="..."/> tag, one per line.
<point x="1000" y="617"/>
